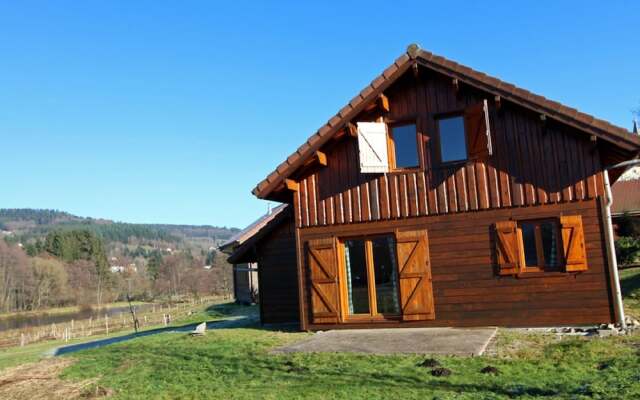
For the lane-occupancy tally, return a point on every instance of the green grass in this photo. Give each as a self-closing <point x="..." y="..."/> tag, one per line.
<point x="630" y="284"/>
<point x="236" y="364"/>
<point x="14" y="356"/>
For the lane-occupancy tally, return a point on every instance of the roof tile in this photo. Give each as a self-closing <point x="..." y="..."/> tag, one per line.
<point x="335" y="120"/>
<point x="324" y="129"/>
<point x="345" y="110"/>
<point x="377" y="82"/>
<point x="389" y="71"/>
<point x="402" y="59"/>
<point x="366" y="91"/>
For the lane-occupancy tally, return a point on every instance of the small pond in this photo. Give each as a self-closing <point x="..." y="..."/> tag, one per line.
<point x="31" y="320"/>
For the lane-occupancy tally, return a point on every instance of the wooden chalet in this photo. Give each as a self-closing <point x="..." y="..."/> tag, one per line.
<point x="441" y="196"/>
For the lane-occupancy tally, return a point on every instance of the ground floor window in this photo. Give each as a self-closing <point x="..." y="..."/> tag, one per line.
<point x="541" y="244"/>
<point x="371" y="276"/>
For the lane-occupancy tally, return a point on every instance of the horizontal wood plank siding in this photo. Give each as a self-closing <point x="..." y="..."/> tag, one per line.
<point x="467" y="291"/>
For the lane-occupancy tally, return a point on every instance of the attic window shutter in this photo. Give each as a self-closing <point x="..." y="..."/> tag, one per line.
<point x="575" y="257"/>
<point x="416" y="291"/>
<point x="476" y="122"/>
<point x="507" y="248"/>
<point x="323" y="273"/>
<point x="372" y="147"/>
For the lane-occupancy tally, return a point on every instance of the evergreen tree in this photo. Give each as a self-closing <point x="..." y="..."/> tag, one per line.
<point x="153" y="267"/>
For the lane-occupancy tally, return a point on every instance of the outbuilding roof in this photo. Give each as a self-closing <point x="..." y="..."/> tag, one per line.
<point x="626" y="197"/>
<point x="241" y="237"/>
<point x="415" y="55"/>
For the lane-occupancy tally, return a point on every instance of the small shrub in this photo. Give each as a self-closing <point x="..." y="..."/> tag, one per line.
<point x="627" y="250"/>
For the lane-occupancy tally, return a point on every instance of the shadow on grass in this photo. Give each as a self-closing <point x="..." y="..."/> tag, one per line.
<point x="630" y="282"/>
<point x="230" y="310"/>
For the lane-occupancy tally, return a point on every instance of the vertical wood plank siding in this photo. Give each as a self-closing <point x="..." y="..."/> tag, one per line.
<point x="277" y="275"/>
<point x="531" y="165"/>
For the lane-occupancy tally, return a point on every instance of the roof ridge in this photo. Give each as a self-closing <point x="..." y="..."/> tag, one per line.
<point x="414" y="53"/>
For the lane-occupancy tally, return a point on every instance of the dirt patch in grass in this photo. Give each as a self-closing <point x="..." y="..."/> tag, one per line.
<point x="41" y="380"/>
<point x="520" y="343"/>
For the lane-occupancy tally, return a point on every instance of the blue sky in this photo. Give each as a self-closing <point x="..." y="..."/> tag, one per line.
<point x="171" y="112"/>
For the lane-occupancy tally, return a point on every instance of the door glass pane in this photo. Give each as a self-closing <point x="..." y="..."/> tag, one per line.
<point x="549" y="233"/>
<point x="453" y="146"/>
<point x="529" y="239"/>
<point x="404" y="139"/>
<point x="356" y="272"/>
<point x="386" y="273"/>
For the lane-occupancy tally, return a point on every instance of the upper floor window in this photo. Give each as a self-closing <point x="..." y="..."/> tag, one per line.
<point x="403" y="146"/>
<point x="465" y="136"/>
<point x="453" y="145"/>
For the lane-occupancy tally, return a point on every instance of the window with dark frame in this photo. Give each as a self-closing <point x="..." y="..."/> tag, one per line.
<point x="403" y="146"/>
<point x="541" y="245"/>
<point x="453" y="145"/>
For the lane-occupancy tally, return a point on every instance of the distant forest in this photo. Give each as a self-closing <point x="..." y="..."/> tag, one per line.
<point x="30" y="223"/>
<point x="51" y="258"/>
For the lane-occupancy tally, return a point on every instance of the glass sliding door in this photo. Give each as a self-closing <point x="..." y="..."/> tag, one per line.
<point x="357" y="276"/>
<point x="371" y="276"/>
<point x="385" y="271"/>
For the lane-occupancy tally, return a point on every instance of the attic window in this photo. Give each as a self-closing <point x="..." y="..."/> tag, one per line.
<point x="453" y="145"/>
<point x="403" y="146"/>
<point x="466" y="135"/>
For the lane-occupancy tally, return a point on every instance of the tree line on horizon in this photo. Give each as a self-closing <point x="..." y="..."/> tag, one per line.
<point x="71" y="267"/>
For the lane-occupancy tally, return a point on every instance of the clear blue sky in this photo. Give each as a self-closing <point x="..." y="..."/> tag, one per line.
<point x="171" y="112"/>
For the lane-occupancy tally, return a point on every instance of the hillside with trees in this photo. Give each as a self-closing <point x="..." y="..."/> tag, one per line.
<point x="52" y="258"/>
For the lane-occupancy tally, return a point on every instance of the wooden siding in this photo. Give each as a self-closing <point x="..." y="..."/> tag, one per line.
<point x="532" y="164"/>
<point x="466" y="289"/>
<point x="277" y="275"/>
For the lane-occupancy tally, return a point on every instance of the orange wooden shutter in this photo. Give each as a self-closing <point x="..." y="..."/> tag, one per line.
<point x="323" y="272"/>
<point x="476" y="122"/>
<point x="416" y="292"/>
<point x="575" y="257"/>
<point x="507" y="247"/>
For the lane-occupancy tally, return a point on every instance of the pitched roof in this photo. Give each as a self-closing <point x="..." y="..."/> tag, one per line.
<point x="243" y="251"/>
<point x="245" y="234"/>
<point x="508" y="92"/>
<point x="626" y="197"/>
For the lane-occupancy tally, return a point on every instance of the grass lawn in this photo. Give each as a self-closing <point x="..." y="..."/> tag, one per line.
<point x="630" y="284"/>
<point x="236" y="364"/>
<point x="33" y="352"/>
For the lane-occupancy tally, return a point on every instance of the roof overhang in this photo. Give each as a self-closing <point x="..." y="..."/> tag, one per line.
<point x="244" y="252"/>
<point x="616" y="136"/>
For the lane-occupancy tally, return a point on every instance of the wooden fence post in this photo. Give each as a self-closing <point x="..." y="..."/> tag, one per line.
<point x="106" y="323"/>
<point x="22" y="340"/>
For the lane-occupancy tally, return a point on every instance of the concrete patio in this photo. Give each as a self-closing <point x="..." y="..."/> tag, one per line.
<point x="439" y="341"/>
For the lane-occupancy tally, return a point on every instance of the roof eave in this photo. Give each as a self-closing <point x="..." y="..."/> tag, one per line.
<point x="601" y="129"/>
